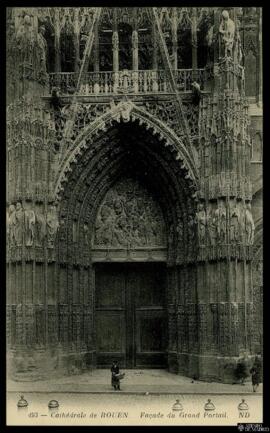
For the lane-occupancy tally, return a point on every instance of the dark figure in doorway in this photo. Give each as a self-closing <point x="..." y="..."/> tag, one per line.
<point x="115" y="372"/>
<point x="256" y="373"/>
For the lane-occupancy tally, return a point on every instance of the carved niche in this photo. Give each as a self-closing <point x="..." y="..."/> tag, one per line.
<point x="129" y="218"/>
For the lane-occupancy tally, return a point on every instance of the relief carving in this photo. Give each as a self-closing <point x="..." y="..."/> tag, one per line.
<point x="129" y="217"/>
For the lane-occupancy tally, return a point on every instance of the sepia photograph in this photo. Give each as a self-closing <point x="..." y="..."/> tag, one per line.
<point x="134" y="216"/>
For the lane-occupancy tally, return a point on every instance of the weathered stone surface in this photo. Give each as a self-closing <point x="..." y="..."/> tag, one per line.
<point x="132" y="181"/>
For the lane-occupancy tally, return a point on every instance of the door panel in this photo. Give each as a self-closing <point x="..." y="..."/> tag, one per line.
<point x="151" y="338"/>
<point x="110" y="287"/>
<point x="111" y="340"/>
<point x="131" y="322"/>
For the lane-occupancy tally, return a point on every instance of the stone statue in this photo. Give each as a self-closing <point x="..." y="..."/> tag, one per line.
<point x="11" y="224"/>
<point x="85" y="234"/>
<point x="40" y="229"/>
<point x="191" y="228"/>
<point x="211" y="224"/>
<point x="235" y="226"/>
<point x="196" y="89"/>
<point x="220" y="218"/>
<point x="52" y="225"/>
<point x="238" y="48"/>
<point x="42" y="51"/>
<point x="180" y="229"/>
<point x="249" y="225"/>
<point x="227" y="31"/>
<point x="210" y="44"/>
<point x="201" y="224"/>
<point x="126" y="108"/>
<point x="30" y="219"/>
<point x="19" y="224"/>
<point x="25" y="39"/>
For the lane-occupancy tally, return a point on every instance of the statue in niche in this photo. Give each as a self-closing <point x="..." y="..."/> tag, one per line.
<point x="19" y="224"/>
<point x="40" y="229"/>
<point x="85" y="234"/>
<point x="211" y="224"/>
<point x="227" y="31"/>
<point x="191" y="228"/>
<point x="249" y="225"/>
<point x="11" y="225"/>
<point x="220" y="218"/>
<point x="238" y="47"/>
<point x="42" y="52"/>
<point x="25" y="39"/>
<point x="180" y="229"/>
<point x="210" y="38"/>
<point x="201" y="223"/>
<point x="52" y="225"/>
<point x="30" y="219"/>
<point x="235" y="225"/>
<point x="170" y="237"/>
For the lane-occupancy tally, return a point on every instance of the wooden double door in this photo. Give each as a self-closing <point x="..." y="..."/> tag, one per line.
<point x="130" y="315"/>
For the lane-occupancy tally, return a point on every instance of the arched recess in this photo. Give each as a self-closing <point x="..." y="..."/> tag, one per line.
<point x="124" y="150"/>
<point x="127" y="111"/>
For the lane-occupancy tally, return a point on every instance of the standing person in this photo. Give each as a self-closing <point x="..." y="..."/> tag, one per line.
<point x="115" y="371"/>
<point x="256" y="373"/>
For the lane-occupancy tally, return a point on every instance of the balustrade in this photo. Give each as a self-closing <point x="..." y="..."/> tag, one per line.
<point x="125" y="81"/>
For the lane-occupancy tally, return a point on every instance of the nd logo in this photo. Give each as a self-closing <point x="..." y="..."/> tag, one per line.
<point x="244" y="414"/>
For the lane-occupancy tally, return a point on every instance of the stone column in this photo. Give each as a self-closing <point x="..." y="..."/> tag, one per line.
<point x="57" y="33"/>
<point x="194" y="43"/>
<point x="225" y="226"/>
<point x="135" y="59"/>
<point x="155" y="47"/>
<point x="29" y="197"/>
<point x="76" y="40"/>
<point x="260" y="65"/>
<point x="96" y="60"/>
<point x="115" y="45"/>
<point x="174" y="40"/>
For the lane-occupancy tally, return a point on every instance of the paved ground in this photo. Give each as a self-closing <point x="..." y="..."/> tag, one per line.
<point x="135" y="382"/>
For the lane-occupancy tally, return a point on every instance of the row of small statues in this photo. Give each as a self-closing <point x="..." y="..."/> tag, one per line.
<point x="214" y="225"/>
<point x="29" y="225"/>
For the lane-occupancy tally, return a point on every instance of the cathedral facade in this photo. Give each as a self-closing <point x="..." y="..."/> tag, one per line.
<point x="134" y="189"/>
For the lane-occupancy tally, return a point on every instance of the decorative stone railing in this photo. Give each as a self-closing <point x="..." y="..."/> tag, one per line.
<point x="126" y="81"/>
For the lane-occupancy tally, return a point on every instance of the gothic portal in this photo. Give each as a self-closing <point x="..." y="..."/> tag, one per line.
<point x="134" y="154"/>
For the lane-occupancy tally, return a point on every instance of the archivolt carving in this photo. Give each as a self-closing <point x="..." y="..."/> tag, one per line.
<point x="105" y="121"/>
<point x="100" y="167"/>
